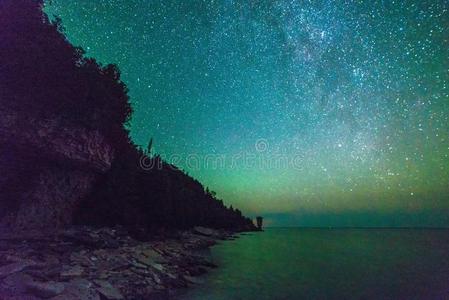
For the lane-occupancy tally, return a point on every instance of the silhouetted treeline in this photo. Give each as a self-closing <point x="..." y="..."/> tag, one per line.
<point x="163" y="195"/>
<point x="43" y="75"/>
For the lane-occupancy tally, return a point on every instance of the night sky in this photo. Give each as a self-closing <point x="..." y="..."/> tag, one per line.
<point x="314" y="113"/>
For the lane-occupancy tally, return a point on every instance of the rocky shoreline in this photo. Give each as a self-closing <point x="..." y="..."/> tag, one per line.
<point x="103" y="263"/>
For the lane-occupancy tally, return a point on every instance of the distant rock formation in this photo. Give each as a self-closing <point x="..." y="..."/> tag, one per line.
<point x="259" y="221"/>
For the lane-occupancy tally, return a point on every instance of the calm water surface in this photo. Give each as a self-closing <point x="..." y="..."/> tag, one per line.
<point x="329" y="264"/>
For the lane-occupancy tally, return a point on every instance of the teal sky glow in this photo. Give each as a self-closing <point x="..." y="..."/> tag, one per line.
<point x="316" y="113"/>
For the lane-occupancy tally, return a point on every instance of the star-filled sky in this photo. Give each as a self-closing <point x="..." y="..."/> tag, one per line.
<point x="311" y="113"/>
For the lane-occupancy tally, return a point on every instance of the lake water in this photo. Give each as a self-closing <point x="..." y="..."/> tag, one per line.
<point x="300" y="263"/>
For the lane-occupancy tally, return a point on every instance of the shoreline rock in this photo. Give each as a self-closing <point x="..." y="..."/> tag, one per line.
<point x="103" y="263"/>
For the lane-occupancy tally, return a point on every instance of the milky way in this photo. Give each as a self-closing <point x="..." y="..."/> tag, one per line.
<point x="309" y="112"/>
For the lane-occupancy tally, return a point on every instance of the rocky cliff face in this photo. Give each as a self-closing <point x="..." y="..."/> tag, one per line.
<point x="65" y="154"/>
<point x="61" y="119"/>
<point x="49" y="167"/>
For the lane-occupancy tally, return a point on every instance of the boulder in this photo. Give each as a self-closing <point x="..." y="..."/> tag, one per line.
<point x="204" y="231"/>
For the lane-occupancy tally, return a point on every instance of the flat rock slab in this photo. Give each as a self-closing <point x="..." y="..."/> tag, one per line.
<point x="108" y="290"/>
<point x="204" y="231"/>
<point x="45" y="289"/>
<point x="13" y="268"/>
<point x="78" y="289"/>
<point x="15" y="284"/>
<point x="75" y="271"/>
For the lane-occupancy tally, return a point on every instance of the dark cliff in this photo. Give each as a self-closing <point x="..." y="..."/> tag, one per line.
<point x="65" y="154"/>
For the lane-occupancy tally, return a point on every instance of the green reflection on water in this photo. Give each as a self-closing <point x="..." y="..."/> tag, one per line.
<point x="330" y="264"/>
